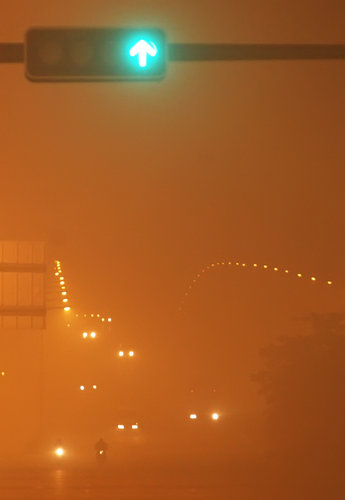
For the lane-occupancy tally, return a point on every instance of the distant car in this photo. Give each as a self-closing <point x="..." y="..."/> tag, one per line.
<point x="127" y="425"/>
<point x="204" y="405"/>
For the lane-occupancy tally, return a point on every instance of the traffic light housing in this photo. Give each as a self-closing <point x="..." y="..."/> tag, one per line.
<point x="94" y="54"/>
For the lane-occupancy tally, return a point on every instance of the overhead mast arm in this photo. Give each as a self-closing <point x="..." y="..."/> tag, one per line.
<point x="11" y="52"/>
<point x="14" y="52"/>
<point x="253" y="52"/>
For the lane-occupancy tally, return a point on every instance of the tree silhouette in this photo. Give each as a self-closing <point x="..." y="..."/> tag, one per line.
<point x="303" y="383"/>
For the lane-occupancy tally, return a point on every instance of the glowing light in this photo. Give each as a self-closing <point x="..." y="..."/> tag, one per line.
<point x="255" y="265"/>
<point x="67" y="308"/>
<point x="94" y="387"/>
<point x="93" y="335"/>
<point x="193" y="416"/>
<point x="131" y="354"/>
<point x="98" y="315"/>
<point x="64" y="300"/>
<point x="286" y="271"/>
<point x="329" y="282"/>
<point x="313" y="278"/>
<point x="215" y="416"/>
<point x="103" y="319"/>
<point x="135" y="426"/>
<point x="121" y="354"/>
<point x="82" y="387"/>
<point x="92" y="315"/>
<point x="120" y="427"/>
<point x="61" y="278"/>
<point x="275" y="269"/>
<point x="299" y="275"/>
<point x="265" y="266"/>
<point x="63" y="293"/>
<point x="109" y="320"/>
<point x="142" y="49"/>
<point x="59" y="452"/>
<point x="3" y="374"/>
<point x="62" y="282"/>
<point x="85" y="334"/>
<point x="56" y="274"/>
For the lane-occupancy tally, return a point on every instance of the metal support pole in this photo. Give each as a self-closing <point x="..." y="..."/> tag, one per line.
<point x="252" y="52"/>
<point x="11" y="52"/>
<point x="14" y="52"/>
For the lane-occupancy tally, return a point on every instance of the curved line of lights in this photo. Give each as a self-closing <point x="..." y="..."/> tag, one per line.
<point x="99" y="317"/>
<point x="255" y="266"/>
<point x="62" y="286"/>
<point x="64" y="297"/>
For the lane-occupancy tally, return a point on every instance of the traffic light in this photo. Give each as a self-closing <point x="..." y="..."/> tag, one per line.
<point x="94" y="54"/>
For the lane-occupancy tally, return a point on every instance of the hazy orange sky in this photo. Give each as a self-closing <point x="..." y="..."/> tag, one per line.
<point x="137" y="186"/>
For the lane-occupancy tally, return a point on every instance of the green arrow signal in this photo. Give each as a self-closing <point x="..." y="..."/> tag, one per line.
<point x="142" y="49"/>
